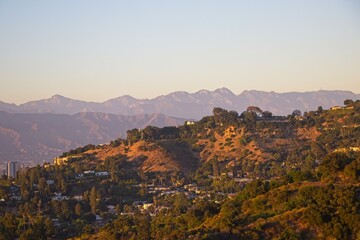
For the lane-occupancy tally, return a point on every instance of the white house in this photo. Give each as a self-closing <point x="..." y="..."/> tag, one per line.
<point x="50" y="181"/>
<point x="102" y="174"/>
<point x="78" y="197"/>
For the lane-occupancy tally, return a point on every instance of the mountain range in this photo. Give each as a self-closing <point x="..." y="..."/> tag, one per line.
<point x="43" y="129"/>
<point x="189" y="105"/>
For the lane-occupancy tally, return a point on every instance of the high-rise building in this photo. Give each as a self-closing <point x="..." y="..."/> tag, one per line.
<point x="12" y="168"/>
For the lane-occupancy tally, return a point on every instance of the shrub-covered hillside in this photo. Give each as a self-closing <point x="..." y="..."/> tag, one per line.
<point x="228" y="176"/>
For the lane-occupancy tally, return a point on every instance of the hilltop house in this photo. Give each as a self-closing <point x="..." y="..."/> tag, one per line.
<point x="102" y="174"/>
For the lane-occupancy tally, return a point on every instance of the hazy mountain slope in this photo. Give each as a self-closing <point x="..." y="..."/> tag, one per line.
<point x="8" y="107"/>
<point x="190" y="105"/>
<point x="38" y="137"/>
<point x="285" y="103"/>
<point x="59" y="104"/>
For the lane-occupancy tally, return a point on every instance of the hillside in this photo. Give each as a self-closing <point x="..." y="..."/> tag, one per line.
<point x="226" y="176"/>
<point x="41" y="137"/>
<point x="240" y="142"/>
<point x="160" y="156"/>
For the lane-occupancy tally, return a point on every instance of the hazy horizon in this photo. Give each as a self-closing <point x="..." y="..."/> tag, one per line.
<point x="95" y="51"/>
<point x="165" y="94"/>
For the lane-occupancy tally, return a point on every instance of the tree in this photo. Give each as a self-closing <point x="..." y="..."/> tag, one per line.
<point x="357" y="106"/>
<point x="254" y="109"/>
<point x="224" y="117"/>
<point x="65" y="210"/>
<point x="267" y="114"/>
<point x="89" y="217"/>
<point x="317" y="150"/>
<point x="8" y="226"/>
<point x="296" y="113"/>
<point x="143" y="191"/>
<point x="93" y="199"/>
<point x="142" y="223"/>
<point x="63" y="185"/>
<point x="181" y="203"/>
<point x="50" y="229"/>
<point x="27" y="235"/>
<point x="42" y="185"/>
<point x="150" y="133"/>
<point x="78" y="209"/>
<point x="215" y="166"/>
<point x="332" y="163"/>
<point x="169" y="133"/>
<point x="348" y="102"/>
<point x="249" y="119"/>
<point x="133" y="135"/>
<point x="117" y="209"/>
<point x="352" y="170"/>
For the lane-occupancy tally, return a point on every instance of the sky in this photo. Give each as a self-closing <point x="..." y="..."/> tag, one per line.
<point x="97" y="50"/>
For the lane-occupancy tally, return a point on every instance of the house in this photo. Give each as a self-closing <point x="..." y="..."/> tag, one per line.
<point x="243" y="180"/>
<point x="111" y="209"/>
<point x="46" y="165"/>
<point x="78" y="197"/>
<point x="14" y="188"/>
<point x="190" y="195"/>
<point x="190" y="186"/>
<point x="50" y="181"/>
<point x="146" y="206"/>
<point x="102" y="174"/>
<point x="335" y="108"/>
<point x="60" y="160"/>
<point x="56" y="222"/>
<point x="138" y="203"/>
<point x="300" y="118"/>
<point x="59" y="197"/>
<point x="355" y="149"/>
<point x="98" y="218"/>
<point x="189" y="123"/>
<point x="231" y="195"/>
<point x="80" y="175"/>
<point x="15" y="198"/>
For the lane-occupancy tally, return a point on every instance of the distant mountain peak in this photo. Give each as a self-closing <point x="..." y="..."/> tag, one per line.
<point x="57" y="99"/>
<point x="57" y="96"/>
<point x="203" y="91"/>
<point x="223" y="90"/>
<point x="123" y="98"/>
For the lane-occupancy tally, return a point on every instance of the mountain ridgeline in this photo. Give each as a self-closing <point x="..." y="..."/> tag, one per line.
<point x="189" y="105"/>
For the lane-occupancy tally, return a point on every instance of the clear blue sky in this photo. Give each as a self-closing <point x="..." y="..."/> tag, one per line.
<point x="96" y="50"/>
